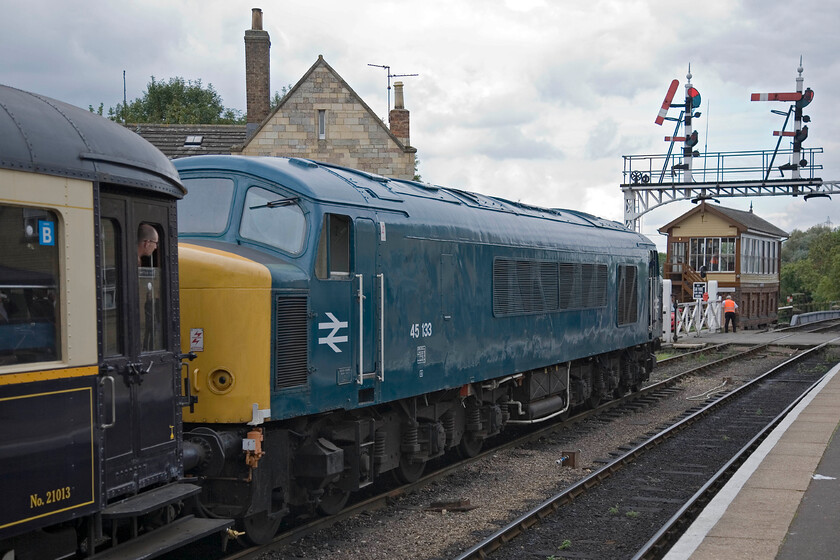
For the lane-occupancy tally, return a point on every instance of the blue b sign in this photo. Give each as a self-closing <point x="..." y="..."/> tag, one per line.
<point x="46" y="232"/>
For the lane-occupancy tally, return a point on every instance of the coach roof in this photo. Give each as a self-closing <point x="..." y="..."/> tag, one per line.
<point x="47" y="136"/>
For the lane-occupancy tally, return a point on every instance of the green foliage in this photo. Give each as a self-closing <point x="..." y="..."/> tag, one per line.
<point x="417" y="176"/>
<point x="796" y="247"/>
<point x="811" y="264"/>
<point x="278" y="96"/>
<point x="177" y="101"/>
<point x="632" y="514"/>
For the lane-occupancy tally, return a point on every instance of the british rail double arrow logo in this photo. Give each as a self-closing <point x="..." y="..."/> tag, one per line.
<point x="332" y="339"/>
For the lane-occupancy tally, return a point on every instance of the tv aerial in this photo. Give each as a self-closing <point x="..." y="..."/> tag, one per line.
<point x="388" y="72"/>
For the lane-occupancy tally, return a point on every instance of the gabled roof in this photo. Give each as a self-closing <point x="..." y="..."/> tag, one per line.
<point x="304" y="78"/>
<point x="172" y="139"/>
<point x="747" y="221"/>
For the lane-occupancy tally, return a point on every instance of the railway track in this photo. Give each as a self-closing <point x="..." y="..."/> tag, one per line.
<point x="647" y="397"/>
<point x="638" y="503"/>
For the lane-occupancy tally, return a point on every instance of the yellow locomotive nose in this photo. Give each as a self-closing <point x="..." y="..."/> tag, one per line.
<point x="226" y="321"/>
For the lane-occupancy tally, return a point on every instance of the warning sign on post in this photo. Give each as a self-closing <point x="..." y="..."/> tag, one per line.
<point x="699" y="290"/>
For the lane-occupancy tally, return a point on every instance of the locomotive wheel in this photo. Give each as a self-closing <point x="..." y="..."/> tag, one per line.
<point x="620" y="391"/>
<point x="260" y="528"/>
<point x="333" y="500"/>
<point x="469" y="446"/>
<point x="408" y="471"/>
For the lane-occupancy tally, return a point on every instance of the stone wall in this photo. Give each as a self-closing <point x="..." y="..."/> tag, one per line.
<point x="354" y="136"/>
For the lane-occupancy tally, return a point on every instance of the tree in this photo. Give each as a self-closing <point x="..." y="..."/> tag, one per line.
<point x="811" y="264"/>
<point x="177" y="101"/>
<point x="417" y="176"/>
<point x="278" y="97"/>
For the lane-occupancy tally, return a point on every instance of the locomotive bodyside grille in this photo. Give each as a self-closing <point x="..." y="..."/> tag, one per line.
<point x="522" y="286"/>
<point x="628" y="300"/>
<point x="291" y="341"/>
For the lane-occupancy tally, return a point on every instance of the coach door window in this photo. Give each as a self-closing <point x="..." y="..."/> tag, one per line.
<point x="333" y="259"/>
<point x="150" y="288"/>
<point x="112" y="313"/>
<point x="29" y="275"/>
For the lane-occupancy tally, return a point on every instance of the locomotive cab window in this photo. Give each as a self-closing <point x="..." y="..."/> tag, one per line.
<point x="206" y="207"/>
<point x="333" y="259"/>
<point x="29" y="278"/>
<point x="274" y="220"/>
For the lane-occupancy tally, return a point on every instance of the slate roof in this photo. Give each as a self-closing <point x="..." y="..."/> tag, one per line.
<point x="171" y="139"/>
<point x="747" y="221"/>
<point x="751" y="221"/>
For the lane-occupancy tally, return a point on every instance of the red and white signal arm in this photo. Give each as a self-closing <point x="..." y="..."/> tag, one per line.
<point x="669" y="96"/>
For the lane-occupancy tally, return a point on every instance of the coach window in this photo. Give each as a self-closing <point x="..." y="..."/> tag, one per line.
<point x="274" y="220"/>
<point x="150" y="286"/>
<point x="333" y="259"/>
<point x="29" y="272"/>
<point x="111" y="281"/>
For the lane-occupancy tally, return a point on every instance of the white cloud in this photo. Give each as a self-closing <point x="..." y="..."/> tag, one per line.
<point x="532" y="100"/>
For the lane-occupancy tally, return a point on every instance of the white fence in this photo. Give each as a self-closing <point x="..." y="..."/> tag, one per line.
<point x="690" y="319"/>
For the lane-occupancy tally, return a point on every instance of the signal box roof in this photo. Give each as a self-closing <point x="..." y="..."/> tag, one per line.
<point x="746" y="221"/>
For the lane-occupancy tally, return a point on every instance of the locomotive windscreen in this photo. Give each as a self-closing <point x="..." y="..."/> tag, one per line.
<point x="206" y="208"/>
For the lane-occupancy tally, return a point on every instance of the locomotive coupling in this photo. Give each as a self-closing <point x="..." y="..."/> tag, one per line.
<point x="206" y="450"/>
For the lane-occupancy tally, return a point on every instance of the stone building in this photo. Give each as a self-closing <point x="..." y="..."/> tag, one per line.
<point x="738" y="249"/>
<point x="320" y="118"/>
<point x="323" y="119"/>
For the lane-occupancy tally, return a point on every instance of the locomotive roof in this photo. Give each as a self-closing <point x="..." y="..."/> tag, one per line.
<point x="335" y="184"/>
<point x="44" y="135"/>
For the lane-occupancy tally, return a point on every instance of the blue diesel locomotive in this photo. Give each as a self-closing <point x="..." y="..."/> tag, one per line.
<point x="348" y="325"/>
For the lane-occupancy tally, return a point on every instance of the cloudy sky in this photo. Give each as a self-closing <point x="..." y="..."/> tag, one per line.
<point x="531" y="100"/>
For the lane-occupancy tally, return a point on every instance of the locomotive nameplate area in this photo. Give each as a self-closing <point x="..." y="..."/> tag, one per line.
<point x="46" y="470"/>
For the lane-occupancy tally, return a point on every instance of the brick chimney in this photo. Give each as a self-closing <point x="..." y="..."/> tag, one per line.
<point x="257" y="74"/>
<point x="398" y="117"/>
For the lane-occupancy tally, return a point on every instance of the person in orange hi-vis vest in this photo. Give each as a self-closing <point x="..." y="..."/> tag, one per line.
<point x="729" y="308"/>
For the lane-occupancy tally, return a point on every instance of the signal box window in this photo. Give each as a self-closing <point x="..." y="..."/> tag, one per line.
<point x="333" y="259"/>
<point x="29" y="277"/>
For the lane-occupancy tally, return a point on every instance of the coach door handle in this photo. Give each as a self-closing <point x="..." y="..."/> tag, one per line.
<point x="113" y="400"/>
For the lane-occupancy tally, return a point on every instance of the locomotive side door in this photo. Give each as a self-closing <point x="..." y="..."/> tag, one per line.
<point x="140" y="368"/>
<point x="366" y="312"/>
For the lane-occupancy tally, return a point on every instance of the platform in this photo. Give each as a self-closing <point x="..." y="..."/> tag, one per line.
<point x="761" y="337"/>
<point x="784" y="502"/>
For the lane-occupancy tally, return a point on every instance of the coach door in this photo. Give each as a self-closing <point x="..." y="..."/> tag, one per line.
<point x="140" y="369"/>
